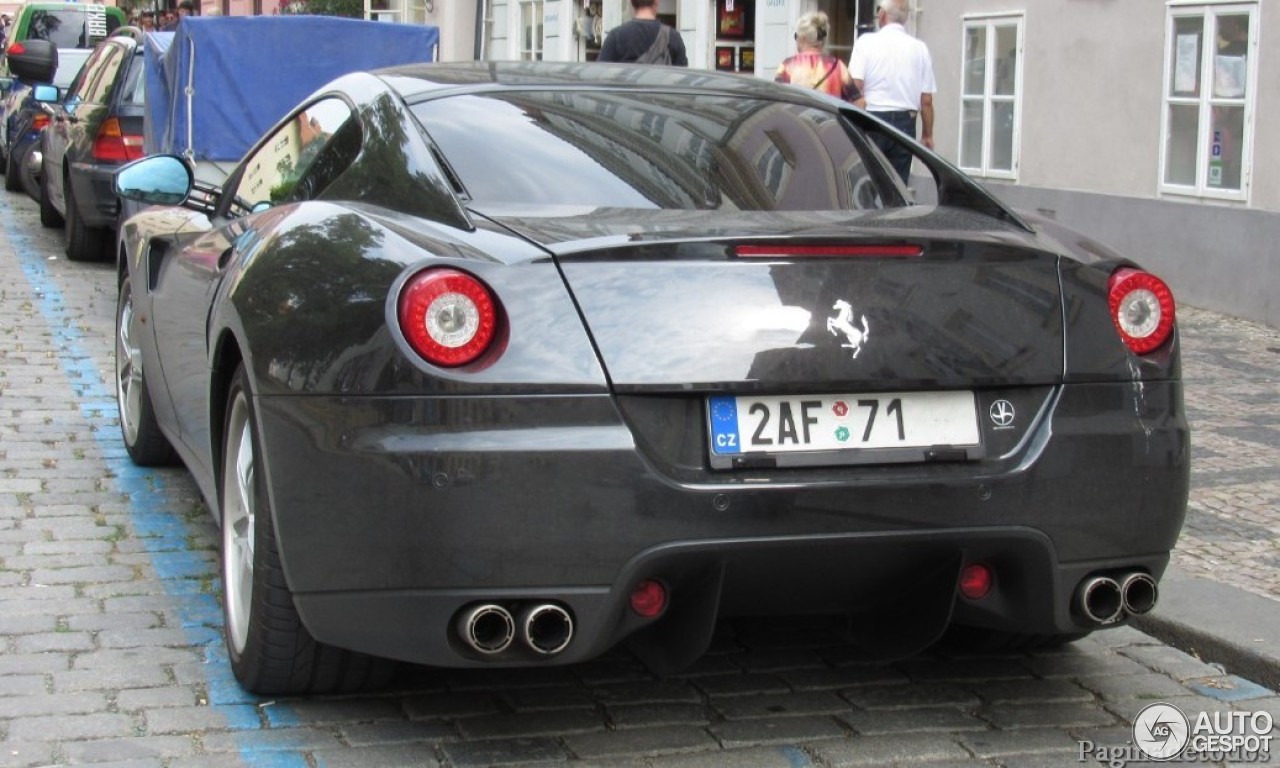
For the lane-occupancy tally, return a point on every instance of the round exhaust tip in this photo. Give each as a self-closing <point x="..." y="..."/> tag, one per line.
<point x="1140" y="593"/>
<point x="1100" y="599"/>
<point x="546" y="628"/>
<point x="487" y="628"/>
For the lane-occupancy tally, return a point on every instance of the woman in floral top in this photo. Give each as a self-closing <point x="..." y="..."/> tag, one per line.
<point x="811" y="67"/>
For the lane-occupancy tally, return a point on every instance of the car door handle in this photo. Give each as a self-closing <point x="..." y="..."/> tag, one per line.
<point x="224" y="258"/>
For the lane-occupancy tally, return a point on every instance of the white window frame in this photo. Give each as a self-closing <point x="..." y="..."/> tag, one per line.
<point x="1210" y="10"/>
<point x="988" y="97"/>
<point x="538" y="9"/>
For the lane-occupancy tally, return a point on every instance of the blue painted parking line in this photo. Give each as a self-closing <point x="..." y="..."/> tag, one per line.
<point x="162" y="532"/>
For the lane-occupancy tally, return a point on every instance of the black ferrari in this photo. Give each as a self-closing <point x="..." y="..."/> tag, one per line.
<point x="505" y="364"/>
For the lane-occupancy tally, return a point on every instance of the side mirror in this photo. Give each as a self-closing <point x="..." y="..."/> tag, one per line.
<point x="50" y="94"/>
<point x="35" y="61"/>
<point x="159" y="180"/>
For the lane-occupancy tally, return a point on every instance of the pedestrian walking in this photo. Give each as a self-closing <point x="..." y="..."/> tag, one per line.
<point x="641" y="40"/>
<point x="894" y="72"/>
<point x="811" y="67"/>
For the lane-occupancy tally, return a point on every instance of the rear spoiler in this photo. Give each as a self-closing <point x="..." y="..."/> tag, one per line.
<point x="955" y="188"/>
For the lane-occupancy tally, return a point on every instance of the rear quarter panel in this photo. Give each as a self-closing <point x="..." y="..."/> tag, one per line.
<point x="312" y="301"/>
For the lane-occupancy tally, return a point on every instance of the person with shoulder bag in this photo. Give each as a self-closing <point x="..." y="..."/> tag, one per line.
<point x="811" y="67"/>
<point x="644" y="39"/>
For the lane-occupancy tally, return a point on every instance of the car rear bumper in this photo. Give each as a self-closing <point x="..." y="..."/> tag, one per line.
<point x="96" y="201"/>
<point x="453" y="502"/>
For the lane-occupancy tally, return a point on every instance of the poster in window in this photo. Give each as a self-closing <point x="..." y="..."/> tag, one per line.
<point x="725" y="56"/>
<point x="746" y="59"/>
<point x="1185" y="63"/>
<point x="1229" y="76"/>
<point x="731" y="24"/>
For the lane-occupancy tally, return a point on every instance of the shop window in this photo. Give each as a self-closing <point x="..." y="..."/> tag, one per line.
<point x="531" y="30"/>
<point x="589" y="30"/>
<point x="846" y="18"/>
<point x="1208" y="99"/>
<point x="990" y="115"/>
<point x="735" y="49"/>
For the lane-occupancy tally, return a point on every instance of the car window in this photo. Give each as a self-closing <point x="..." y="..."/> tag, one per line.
<point x="71" y="27"/>
<point x="287" y="167"/>
<point x="651" y="150"/>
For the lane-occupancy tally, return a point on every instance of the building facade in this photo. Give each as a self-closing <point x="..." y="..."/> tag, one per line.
<point x="1143" y="124"/>
<point x="746" y="36"/>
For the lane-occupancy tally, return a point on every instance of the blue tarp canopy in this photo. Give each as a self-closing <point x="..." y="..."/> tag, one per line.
<point x="217" y="84"/>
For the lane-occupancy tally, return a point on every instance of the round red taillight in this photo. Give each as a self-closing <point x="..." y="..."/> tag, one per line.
<point x="447" y="316"/>
<point x="976" y="581"/>
<point x="649" y="598"/>
<point x="1142" y="309"/>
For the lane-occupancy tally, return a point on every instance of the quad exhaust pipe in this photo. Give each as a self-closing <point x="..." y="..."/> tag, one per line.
<point x="486" y="628"/>
<point x="546" y="628"/>
<point x="1140" y="593"/>
<point x="1104" y="600"/>
<point x="490" y="629"/>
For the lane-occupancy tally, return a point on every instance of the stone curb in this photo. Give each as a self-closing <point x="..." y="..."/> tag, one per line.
<point x="1218" y="623"/>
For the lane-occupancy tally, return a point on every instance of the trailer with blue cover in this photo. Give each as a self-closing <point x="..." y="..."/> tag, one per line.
<point x="217" y="84"/>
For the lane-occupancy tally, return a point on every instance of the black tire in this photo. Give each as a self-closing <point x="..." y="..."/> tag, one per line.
<point x="271" y="652"/>
<point x="84" y="243"/>
<point x="979" y="640"/>
<point x="49" y="215"/>
<point x="12" y="174"/>
<point x="146" y="444"/>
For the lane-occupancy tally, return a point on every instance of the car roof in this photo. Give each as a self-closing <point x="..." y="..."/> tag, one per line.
<point x="422" y="79"/>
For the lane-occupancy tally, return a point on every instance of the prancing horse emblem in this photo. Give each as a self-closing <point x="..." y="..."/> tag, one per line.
<point x="843" y="322"/>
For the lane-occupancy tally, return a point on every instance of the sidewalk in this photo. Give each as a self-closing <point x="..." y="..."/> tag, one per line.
<point x="1220" y="599"/>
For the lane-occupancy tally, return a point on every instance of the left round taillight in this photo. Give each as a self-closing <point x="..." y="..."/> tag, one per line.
<point x="1142" y="309"/>
<point x="449" y="317"/>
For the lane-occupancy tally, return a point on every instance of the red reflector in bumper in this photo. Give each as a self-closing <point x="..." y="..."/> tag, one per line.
<point x="781" y="250"/>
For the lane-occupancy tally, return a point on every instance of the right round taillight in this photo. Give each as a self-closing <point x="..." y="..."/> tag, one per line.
<point x="449" y="317"/>
<point x="1141" y="308"/>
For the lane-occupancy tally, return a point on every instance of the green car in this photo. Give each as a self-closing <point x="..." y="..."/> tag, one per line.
<point x="74" y="29"/>
<point x="66" y="25"/>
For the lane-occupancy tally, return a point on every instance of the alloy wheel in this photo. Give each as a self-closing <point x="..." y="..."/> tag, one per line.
<point x="239" y="508"/>
<point x="129" y="384"/>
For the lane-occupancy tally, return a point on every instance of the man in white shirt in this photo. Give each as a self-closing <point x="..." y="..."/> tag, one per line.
<point x="895" y="74"/>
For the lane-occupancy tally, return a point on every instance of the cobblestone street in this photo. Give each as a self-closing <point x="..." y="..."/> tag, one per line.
<point x="1232" y="534"/>
<point x="110" y="628"/>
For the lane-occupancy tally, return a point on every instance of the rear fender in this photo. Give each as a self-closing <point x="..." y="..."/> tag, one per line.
<point x="314" y="302"/>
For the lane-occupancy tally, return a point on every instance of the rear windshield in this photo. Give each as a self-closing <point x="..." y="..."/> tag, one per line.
<point x="670" y="151"/>
<point x="134" y="83"/>
<point x="71" y="27"/>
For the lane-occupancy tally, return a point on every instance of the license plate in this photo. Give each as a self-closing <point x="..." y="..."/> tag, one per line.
<point x="841" y="429"/>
